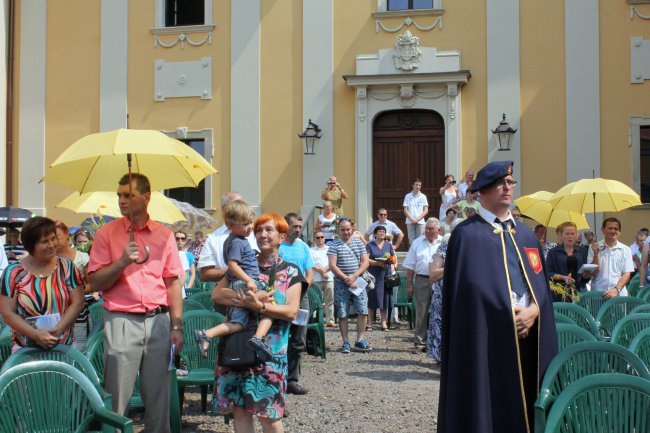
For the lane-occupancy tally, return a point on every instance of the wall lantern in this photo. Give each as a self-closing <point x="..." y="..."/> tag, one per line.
<point x="311" y="135"/>
<point x="503" y="134"/>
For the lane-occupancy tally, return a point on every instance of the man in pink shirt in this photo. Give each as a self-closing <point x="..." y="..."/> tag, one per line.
<point x="143" y="303"/>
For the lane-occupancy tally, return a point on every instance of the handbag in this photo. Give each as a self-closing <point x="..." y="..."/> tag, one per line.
<point x="367" y="276"/>
<point x="392" y="280"/>
<point x="233" y="351"/>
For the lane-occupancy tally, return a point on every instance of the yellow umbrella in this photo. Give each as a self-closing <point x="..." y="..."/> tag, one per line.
<point x="595" y="195"/>
<point x="160" y="207"/>
<point x="97" y="161"/>
<point x="538" y="207"/>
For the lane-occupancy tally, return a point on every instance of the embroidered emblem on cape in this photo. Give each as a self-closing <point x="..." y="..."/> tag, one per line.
<point x="534" y="259"/>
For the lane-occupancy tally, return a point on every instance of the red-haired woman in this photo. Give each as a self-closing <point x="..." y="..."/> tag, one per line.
<point x="261" y="390"/>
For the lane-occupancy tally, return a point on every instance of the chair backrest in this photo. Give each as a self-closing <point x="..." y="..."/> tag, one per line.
<point x="628" y="327"/>
<point x="193" y="320"/>
<point x="614" y="310"/>
<point x="51" y="396"/>
<point x="641" y="346"/>
<point x="592" y="301"/>
<point x="94" y="351"/>
<point x="5" y="348"/>
<point x="317" y="291"/>
<point x="602" y="403"/>
<point x="561" y="318"/>
<point x="190" y="305"/>
<point x="402" y="296"/>
<point x="61" y="353"/>
<point x="579" y="315"/>
<point x="315" y="304"/>
<point x="644" y="293"/>
<point x="633" y="286"/>
<point x="587" y="358"/>
<point x="571" y="334"/>
<point x="645" y="308"/>
<point x="96" y="312"/>
<point x="203" y="298"/>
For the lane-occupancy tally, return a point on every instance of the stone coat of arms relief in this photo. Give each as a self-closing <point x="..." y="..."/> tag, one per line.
<point x="407" y="52"/>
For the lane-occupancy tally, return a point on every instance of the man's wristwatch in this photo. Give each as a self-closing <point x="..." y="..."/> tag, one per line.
<point x="177" y="328"/>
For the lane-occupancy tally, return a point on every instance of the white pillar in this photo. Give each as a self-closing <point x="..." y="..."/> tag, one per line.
<point x="4" y="36"/>
<point x="317" y="96"/>
<point x="31" y="106"/>
<point x="245" y="150"/>
<point x="113" y="64"/>
<point x="503" y="77"/>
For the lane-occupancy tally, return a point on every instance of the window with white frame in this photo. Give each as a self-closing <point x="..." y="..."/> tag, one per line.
<point x="183" y="13"/>
<point x="201" y="141"/>
<point x="407" y="5"/>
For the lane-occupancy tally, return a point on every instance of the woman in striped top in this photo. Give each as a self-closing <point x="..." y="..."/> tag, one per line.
<point x="41" y="284"/>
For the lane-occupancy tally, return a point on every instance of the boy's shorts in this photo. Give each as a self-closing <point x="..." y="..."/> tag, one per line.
<point x="238" y="314"/>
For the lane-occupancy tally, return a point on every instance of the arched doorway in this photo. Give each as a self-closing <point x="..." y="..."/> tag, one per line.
<point x="407" y="144"/>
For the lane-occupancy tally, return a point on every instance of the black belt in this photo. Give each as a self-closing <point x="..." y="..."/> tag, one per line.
<point x="159" y="310"/>
<point x="422" y="276"/>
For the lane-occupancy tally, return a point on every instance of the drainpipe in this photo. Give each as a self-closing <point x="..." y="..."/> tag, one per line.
<point x="10" y="95"/>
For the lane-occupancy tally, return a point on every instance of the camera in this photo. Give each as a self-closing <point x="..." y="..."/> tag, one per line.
<point x="453" y="182"/>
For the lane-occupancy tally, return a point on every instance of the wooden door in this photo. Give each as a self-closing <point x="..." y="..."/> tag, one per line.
<point x="407" y="144"/>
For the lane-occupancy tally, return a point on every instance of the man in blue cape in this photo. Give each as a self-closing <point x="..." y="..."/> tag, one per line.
<point x="498" y="327"/>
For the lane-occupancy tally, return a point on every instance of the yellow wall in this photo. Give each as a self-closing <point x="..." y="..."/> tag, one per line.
<point x="72" y="86"/>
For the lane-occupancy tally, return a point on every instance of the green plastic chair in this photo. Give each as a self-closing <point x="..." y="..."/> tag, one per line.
<point x="641" y="346"/>
<point x="94" y="351"/>
<point x="193" y="291"/>
<point x="629" y="327"/>
<point x="404" y="303"/>
<point x="616" y="403"/>
<point x="592" y="301"/>
<point x="633" y="286"/>
<point x="317" y="326"/>
<point x="568" y="335"/>
<point x="189" y="305"/>
<point x="561" y="318"/>
<point x="581" y="360"/>
<point x="203" y="298"/>
<point x="96" y="312"/>
<point x="5" y="348"/>
<point x="51" y="396"/>
<point x="614" y="310"/>
<point x="579" y="315"/>
<point x="201" y="370"/>
<point x="645" y="308"/>
<point x="644" y="294"/>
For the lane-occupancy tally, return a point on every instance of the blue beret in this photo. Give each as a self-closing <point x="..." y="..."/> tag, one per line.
<point x="492" y="172"/>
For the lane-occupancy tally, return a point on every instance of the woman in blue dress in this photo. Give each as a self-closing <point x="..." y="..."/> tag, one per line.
<point x="436" y="269"/>
<point x="378" y="249"/>
<point x="261" y="390"/>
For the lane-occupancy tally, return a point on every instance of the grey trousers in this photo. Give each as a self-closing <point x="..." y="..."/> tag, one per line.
<point x="422" y="300"/>
<point x="135" y="344"/>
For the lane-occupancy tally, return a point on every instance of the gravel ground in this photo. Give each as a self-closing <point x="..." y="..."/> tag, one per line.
<point x="389" y="389"/>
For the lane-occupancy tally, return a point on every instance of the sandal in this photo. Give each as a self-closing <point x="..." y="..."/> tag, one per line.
<point x="202" y="342"/>
<point x="368" y="328"/>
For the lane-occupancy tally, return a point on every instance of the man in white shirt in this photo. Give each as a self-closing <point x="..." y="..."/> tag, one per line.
<point x="211" y="264"/>
<point x="614" y="260"/>
<point x="469" y="180"/>
<point x="391" y="228"/>
<point x="323" y="277"/>
<point x="418" y="285"/>
<point x="416" y="208"/>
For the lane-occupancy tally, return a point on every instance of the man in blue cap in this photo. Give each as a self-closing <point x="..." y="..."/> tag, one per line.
<point x="498" y="333"/>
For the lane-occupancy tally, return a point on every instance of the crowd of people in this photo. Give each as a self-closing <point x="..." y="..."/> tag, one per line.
<point x="499" y="328"/>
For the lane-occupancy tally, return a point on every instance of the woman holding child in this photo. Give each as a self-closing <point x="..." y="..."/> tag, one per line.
<point x="261" y="390"/>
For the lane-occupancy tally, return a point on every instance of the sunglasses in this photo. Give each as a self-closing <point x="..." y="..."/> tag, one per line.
<point x="180" y="239"/>
<point x="320" y="237"/>
<point x="383" y="214"/>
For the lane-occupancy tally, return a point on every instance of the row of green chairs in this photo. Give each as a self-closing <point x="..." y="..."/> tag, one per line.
<point x="404" y="303"/>
<point x="52" y="396"/>
<point x="624" y="332"/>
<point x="317" y="323"/>
<point x="578" y="361"/>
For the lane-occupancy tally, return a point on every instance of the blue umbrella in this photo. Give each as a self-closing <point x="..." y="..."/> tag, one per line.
<point x="94" y="223"/>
